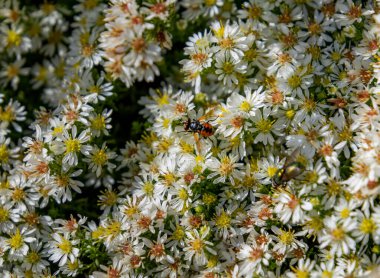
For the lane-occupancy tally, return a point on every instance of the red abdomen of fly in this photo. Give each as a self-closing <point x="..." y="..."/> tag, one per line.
<point x="206" y="130"/>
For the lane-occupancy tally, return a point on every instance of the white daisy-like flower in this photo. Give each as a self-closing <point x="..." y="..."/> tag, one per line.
<point x="196" y="246"/>
<point x="99" y="159"/>
<point x="72" y="144"/>
<point x="228" y="69"/>
<point x="226" y="167"/>
<point x="253" y="258"/>
<point x="336" y="235"/>
<point x="292" y="208"/>
<point x="264" y="125"/>
<point x="18" y="241"/>
<point x="230" y="41"/>
<point x="248" y="104"/>
<point x="367" y="228"/>
<point x="304" y="268"/>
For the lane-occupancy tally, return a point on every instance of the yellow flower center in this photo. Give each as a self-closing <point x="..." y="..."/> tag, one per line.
<point x="345" y="213"/>
<point x="110" y="198"/>
<point x="309" y="104"/>
<point x="186" y="148"/>
<point x="18" y="194"/>
<point x="264" y="126"/>
<point x="245" y="106"/>
<point x="98" y="123"/>
<point x="225" y="166"/>
<point x="166" y="123"/>
<point x="4" y="184"/>
<point x="72" y="145"/>
<point x="55" y="37"/>
<point x="210" y="3"/>
<point x="290" y="113"/>
<point x="333" y="188"/>
<point x="164" y="144"/>
<point x="182" y="194"/>
<point x="62" y="181"/>
<point x="13" y="38"/>
<point x="208" y="198"/>
<point x="219" y="32"/>
<point x="197" y="245"/>
<point x="57" y="130"/>
<point x="300" y="273"/>
<point x="73" y="265"/>
<point x="286" y="237"/>
<point x="335" y="56"/>
<point x="90" y="4"/>
<point x="7" y="114"/>
<point x="113" y="229"/>
<point x="169" y="178"/>
<point x="294" y="81"/>
<point x="4" y="214"/>
<point x="4" y="154"/>
<point x="33" y="257"/>
<point x="327" y="274"/>
<point x="179" y="233"/>
<point x="42" y="74"/>
<point x="338" y="234"/>
<point x="163" y="100"/>
<point x="368" y="226"/>
<point x="254" y="12"/>
<point x="311" y="176"/>
<point x="345" y="134"/>
<point x="228" y="67"/>
<point x="315" y="52"/>
<point x="271" y="171"/>
<point x="12" y="71"/>
<point x="65" y="245"/>
<point x="223" y="220"/>
<point x="16" y="241"/>
<point x="100" y="157"/>
<point x="99" y="232"/>
<point x="315" y="223"/>
<point x="148" y="188"/>
<point x="202" y="43"/>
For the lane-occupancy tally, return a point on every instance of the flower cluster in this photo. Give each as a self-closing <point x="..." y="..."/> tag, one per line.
<point x="134" y="37"/>
<point x="267" y="164"/>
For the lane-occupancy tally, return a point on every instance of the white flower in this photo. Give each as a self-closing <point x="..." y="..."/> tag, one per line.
<point x="61" y="248"/>
<point x="253" y="258"/>
<point x="292" y="208"/>
<point x="196" y="246"/>
<point x="228" y="68"/>
<point x="231" y="42"/>
<point x="18" y="242"/>
<point x="264" y="126"/>
<point x="336" y="236"/>
<point x="71" y="145"/>
<point x="99" y="159"/>
<point x="226" y="167"/>
<point x="247" y="105"/>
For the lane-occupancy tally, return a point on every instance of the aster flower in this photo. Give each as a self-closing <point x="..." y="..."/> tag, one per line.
<point x="252" y="258"/>
<point x="18" y="243"/>
<point x="336" y="236"/>
<point x="224" y="167"/>
<point x="196" y="246"/>
<point x="12" y="72"/>
<point x="291" y="208"/>
<point x="99" y="159"/>
<point x="71" y="145"/>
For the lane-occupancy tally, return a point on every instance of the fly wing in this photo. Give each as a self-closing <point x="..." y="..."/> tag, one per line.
<point x="293" y="170"/>
<point x="292" y="157"/>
